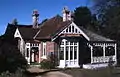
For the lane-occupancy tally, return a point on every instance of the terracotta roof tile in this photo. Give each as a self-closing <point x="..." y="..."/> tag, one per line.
<point x="51" y="27"/>
<point x="28" y="32"/>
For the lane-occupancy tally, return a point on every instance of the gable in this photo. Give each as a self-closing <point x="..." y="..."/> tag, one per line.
<point x="17" y="34"/>
<point x="72" y="29"/>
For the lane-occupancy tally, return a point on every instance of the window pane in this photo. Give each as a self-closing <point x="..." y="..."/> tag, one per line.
<point x="62" y="43"/>
<point x="75" y="52"/>
<point x="67" y="53"/>
<point x="27" y="53"/>
<point x="44" y="49"/>
<point x="71" y="52"/>
<point x="97" y="51"/>
<point x="109" y="50"/>
<point x="71" y="43"/>
<point x="75" y="43"/>
<point x="67" y="43"/>
<point x="61" y="53"/>
<point x="61" y="48"/>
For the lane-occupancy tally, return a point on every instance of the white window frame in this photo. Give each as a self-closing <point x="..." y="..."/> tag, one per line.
<point x="44" y="53"/>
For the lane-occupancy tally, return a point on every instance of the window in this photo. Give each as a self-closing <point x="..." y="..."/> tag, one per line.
<point x="75" y="43"/>
<point x="67" y="43"/>
<point x="109" y="50"/>
<point x="97" y="51"/>
<point x="71" y="43"/>
<point x="75" y="52"/>
<point x="67" y="53"/>
<point x="71" y="52"/>
<point x="27" y="52"/>
<point x="44" y="49"/>
<point x="62" y="53"/>
<point x="62" y="43"/>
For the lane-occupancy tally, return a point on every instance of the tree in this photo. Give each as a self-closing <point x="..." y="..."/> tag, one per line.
<point x="82" y="16"/>
<point x="108" y="12"/>
<point x="10" y="57"/>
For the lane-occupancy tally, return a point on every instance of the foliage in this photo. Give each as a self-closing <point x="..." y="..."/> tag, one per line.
<point x="18" y="73"/>
<point x="108" y="12"/>
<point x="84" y="17"/>
<point x="10" y="57"/>
<point x="48" y="63"/>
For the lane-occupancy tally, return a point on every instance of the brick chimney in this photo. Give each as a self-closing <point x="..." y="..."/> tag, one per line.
<point x="66" y="14"/>
<point x="35" y="17"/>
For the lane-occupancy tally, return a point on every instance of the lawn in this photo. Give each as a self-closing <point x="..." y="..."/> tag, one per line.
<point x="103" y="72"/>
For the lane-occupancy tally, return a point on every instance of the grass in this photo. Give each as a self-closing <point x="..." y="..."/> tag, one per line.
<point x="103" y="72"/>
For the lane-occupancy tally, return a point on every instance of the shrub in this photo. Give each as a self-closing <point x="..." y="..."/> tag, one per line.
<point x="50" y="62"/>
<point x="47" y="64"/>
<point x="10" y="58"/>
<point x="18" y="73"/>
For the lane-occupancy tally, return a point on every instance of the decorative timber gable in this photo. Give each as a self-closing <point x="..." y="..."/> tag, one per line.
<point x="17" y="34"/>
<point x="72" y="30"/>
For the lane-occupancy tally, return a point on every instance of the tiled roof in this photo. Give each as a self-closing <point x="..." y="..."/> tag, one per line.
<point x="28" y="32"/>
<point x="51" y="27"/>
<point x="93" y="36"/>
<point x="10" y="30"/>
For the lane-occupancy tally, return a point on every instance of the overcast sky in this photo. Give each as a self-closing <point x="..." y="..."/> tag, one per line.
<point x="22" y="10"/>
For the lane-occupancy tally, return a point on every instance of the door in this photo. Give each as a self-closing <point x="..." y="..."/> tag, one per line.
<point x="34" y="55"/>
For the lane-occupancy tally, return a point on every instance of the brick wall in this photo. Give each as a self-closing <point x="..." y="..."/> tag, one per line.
<point x="50" y="46"/>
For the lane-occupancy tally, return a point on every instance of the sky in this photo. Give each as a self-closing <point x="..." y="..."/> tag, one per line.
<point x="22" y="10"/>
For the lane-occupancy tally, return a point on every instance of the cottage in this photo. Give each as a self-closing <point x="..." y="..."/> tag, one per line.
<point x="72" y="45"/>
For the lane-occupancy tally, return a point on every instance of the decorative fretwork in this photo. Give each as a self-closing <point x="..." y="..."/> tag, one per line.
<point x="71" y="29"/>
<point x="102" y="52"/>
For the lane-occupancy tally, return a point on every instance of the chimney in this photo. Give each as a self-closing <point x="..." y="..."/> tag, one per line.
<point x="66" y="14"/>
<point x="35" y="17"/>
<point x="14" y="21"/>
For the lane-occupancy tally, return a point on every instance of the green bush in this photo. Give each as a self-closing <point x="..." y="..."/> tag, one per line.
<point x="50" y="62"/>
<point x="10" y="58"/>
<point x="47" y="64"/>
<point x="18" y="73"/>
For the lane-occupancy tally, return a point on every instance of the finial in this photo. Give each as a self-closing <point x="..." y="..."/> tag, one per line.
<point x="35" y="13"/>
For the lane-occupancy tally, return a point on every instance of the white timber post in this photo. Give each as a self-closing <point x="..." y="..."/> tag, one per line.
<point x="73" y="54"/>
<point x="68" y="52"/>
<point x="104" y="45"/>
<point x="77" y="53"/>
<point x="39" y="49"/>
<point x="115" y="53"/>
<point x="64" y="52"/>
<point x="91" y="47"/>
